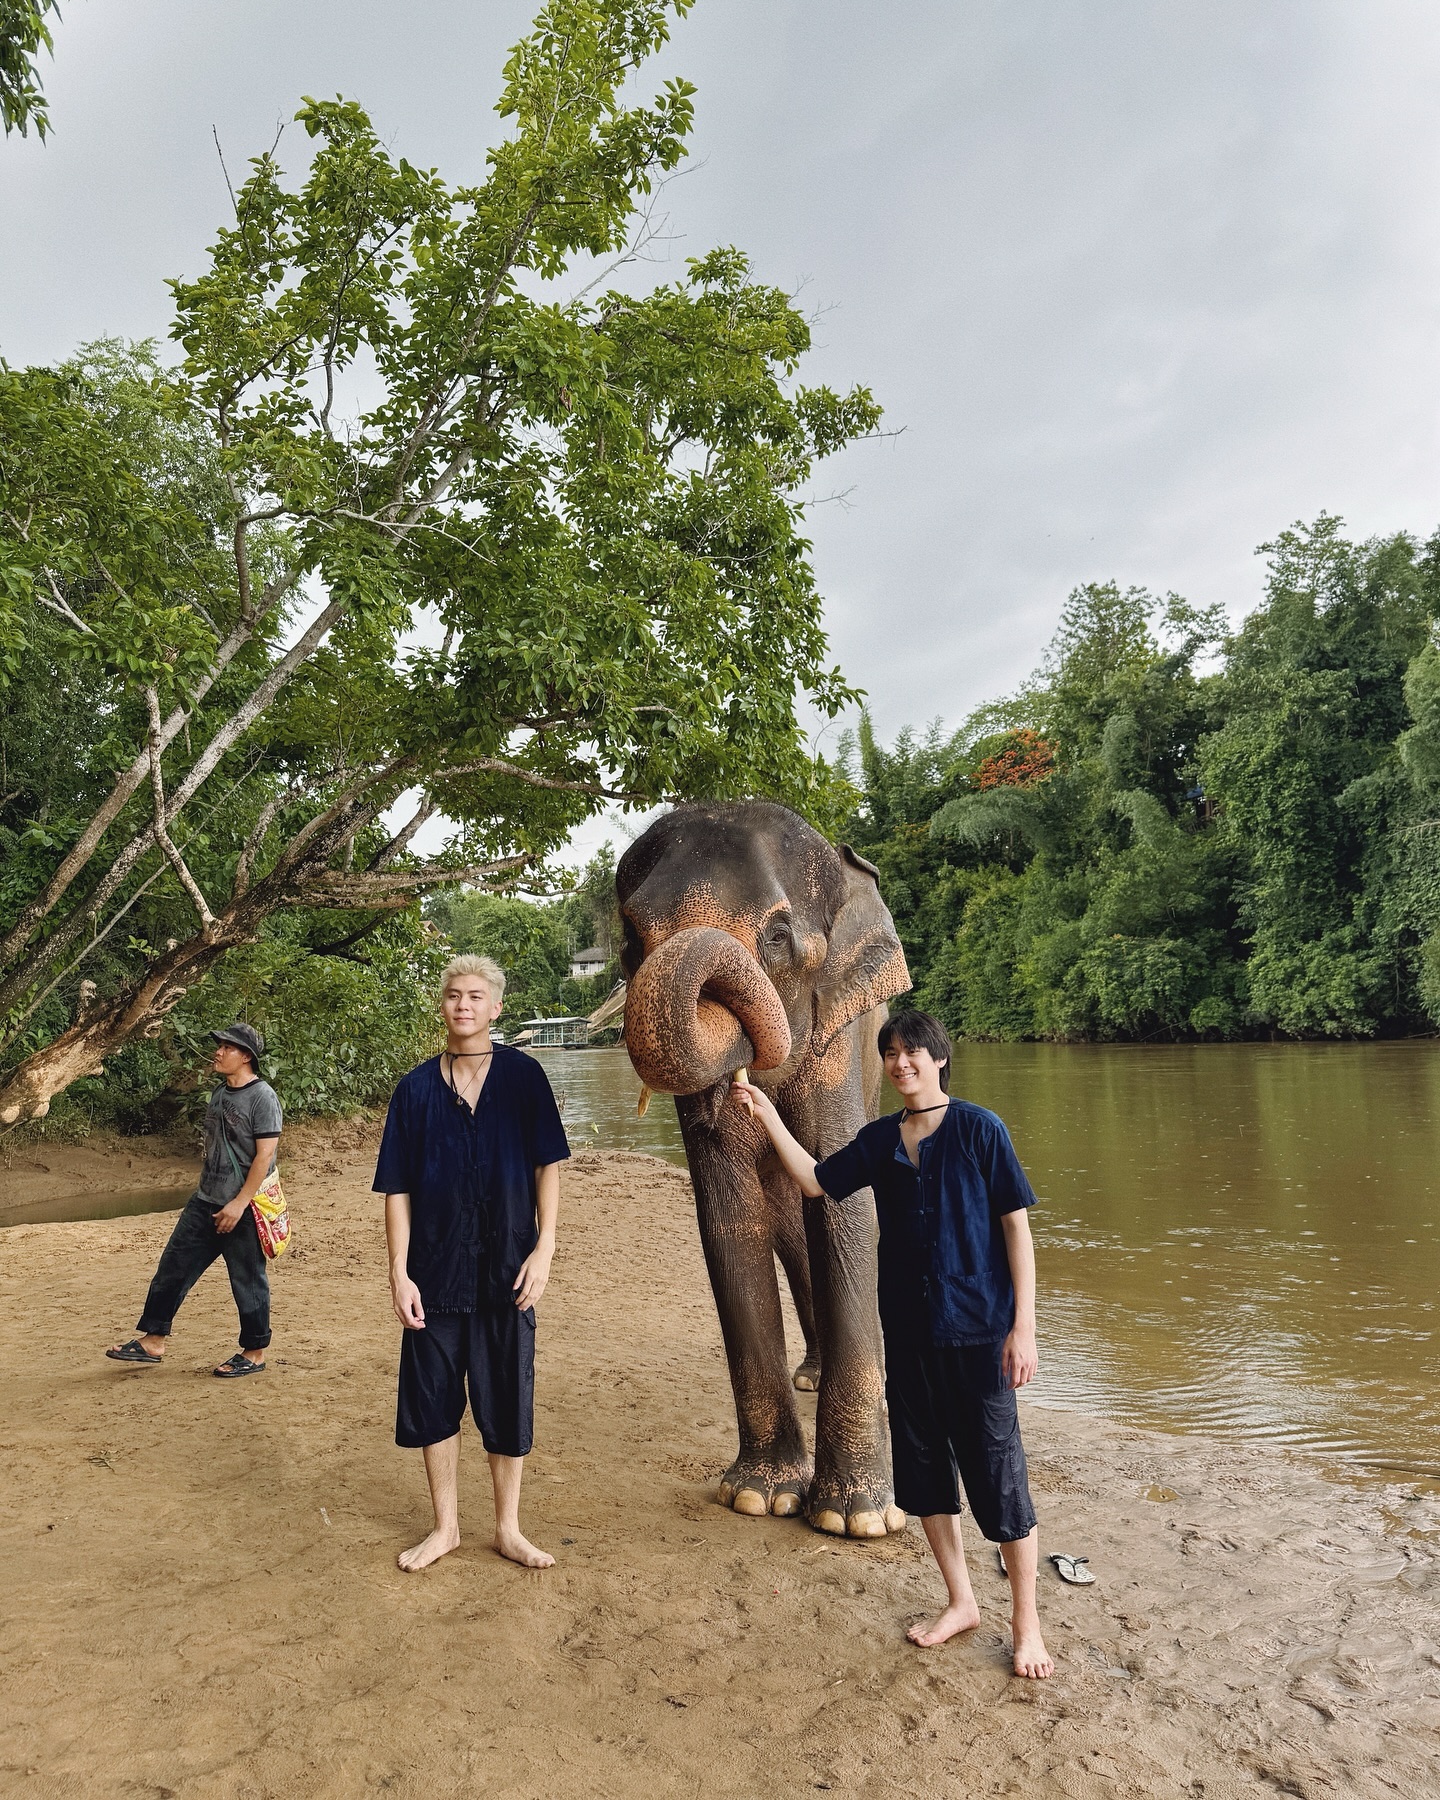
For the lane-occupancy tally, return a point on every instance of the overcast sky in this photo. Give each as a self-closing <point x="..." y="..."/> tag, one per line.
<point x="1139" y="283"/>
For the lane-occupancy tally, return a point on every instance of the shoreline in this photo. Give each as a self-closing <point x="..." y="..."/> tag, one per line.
<point x="106" y="1164"/>
<point x="1268" y="1627"/>
<point x="37" y="1170"/>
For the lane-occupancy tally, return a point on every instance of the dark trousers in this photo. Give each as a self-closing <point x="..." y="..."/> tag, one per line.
<point x="194" y="1245"/>
<point x="492" y="1352"/>
<point x="953" y="1421"/>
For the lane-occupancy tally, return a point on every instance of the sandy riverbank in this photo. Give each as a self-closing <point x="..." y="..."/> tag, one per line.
<point x="36" y="1171"/>
<point x="201" y="1595"/>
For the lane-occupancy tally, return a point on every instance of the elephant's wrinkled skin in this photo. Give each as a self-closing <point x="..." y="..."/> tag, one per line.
<point x="751" y="943"/>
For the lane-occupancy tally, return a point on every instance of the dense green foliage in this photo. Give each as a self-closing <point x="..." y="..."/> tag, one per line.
<point x="1130" y="848"/>
<point x="24" y="32"/>
<point x="534" y="943"/>
<point x="428" y="518"/>
<point x="340" y="1028"/>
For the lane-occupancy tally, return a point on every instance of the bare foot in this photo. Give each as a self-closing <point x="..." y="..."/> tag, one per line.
<point x="1032" y="1659"/>
<point x="520" y="1550"/>
<point x="957" y="1617"/>
<point x="428" y="1550"/>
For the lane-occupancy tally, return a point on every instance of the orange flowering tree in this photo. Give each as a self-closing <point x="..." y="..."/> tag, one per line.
<point x="1023" y="759"/>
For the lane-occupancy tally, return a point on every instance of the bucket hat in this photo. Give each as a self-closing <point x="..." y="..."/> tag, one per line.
<point x="244" y="1037"/>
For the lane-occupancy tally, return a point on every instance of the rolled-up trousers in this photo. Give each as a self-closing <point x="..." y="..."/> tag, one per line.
<point x="194" y="1245"/>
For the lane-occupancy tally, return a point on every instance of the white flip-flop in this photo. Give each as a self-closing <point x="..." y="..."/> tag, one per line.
<point x="1074" y="1569"/>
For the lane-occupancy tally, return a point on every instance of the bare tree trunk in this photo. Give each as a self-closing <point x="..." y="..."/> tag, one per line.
<point x="129" y="783"/>
<point x="140" y="1011"/>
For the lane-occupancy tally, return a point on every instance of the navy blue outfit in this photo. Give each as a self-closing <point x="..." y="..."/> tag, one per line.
<point x="471" y="1181"/>
<point x="947" y="1304"/>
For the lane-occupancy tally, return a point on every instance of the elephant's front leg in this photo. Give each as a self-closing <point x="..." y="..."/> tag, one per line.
<point x="772" y="1471"/>
<point x="787" y="1225"/>
<point x="851" y="1492"/>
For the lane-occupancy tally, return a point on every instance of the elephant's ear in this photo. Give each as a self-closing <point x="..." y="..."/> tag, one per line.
<point x="864" y="964"/>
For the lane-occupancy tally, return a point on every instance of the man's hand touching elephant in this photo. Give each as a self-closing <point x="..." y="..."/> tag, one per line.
<point x="754" y="1101"/>
<point x="799" y="1164"/>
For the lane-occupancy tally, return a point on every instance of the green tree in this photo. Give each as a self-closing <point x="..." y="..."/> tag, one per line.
<point x="1142" y="850"/>
<point x="592" y="495"/>
<point x="1418" y="748"/>
<point x="1047" y="865"/>
<point x="1308" y="774"/>
<point x="24" y="32"/>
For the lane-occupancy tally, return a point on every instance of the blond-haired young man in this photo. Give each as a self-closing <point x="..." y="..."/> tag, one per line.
<point x="470" y="1169"/>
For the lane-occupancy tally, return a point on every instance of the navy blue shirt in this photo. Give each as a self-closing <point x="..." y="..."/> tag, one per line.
<point x="470" y="1176"/>
<point x="944" y="1269"/>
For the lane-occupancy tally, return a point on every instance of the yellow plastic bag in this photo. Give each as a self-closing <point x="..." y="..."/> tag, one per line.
<point x="272" y="1216"/>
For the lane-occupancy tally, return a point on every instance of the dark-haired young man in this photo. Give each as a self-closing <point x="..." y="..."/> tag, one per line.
<point x="957" y="1307"/>
<point x="242" y="1129"/>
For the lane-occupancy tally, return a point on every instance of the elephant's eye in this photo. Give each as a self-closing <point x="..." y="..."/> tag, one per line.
<point x="777" y="935"/>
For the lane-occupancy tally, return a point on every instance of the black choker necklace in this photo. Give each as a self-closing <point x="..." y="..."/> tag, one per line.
<point x="914" y="1112"/>
<point x="452" y="1054"/>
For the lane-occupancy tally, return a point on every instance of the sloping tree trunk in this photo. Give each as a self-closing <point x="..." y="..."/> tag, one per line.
<point x="141" y="1010"/>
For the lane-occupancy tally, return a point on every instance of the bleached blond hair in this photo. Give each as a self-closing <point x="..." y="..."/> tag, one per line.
<point x="485" y="967"/>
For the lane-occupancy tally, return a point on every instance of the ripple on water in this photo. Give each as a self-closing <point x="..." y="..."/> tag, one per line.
<point x="1238" y="1239"/>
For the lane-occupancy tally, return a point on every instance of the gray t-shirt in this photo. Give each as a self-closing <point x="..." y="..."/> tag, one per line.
<point x="239" y="1116"/>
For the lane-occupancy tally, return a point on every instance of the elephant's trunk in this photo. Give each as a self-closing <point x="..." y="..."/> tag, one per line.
<point x="700" y="1007"/>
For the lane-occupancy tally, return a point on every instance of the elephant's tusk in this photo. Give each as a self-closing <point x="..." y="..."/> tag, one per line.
<point x="742" y="1078"/>
<point x="643" y="1102"/>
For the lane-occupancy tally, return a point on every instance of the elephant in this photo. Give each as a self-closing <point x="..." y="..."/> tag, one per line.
<point x="754" y="948"/>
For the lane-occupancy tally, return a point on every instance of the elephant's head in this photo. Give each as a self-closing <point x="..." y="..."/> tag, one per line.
<point x="749" y="941"/>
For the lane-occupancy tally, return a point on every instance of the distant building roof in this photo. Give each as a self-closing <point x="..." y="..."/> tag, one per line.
<point x="567" y="1031"/>
<point x="594" y="954"/>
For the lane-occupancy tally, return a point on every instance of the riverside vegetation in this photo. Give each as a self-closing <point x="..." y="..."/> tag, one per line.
<point x="1131" y="848"/>
<point x="432" y="514"/>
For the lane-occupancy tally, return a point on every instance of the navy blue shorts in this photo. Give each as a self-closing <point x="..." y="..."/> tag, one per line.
<point x="952" y="1422"/>
<point x="492" y="1351"/>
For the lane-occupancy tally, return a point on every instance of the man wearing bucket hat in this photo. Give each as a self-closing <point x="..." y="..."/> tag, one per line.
<point x="242" y="1129"/>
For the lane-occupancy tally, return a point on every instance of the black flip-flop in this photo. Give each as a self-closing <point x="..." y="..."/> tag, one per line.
<point x="133" y="1352"/>
<point x="239" y="1364"/>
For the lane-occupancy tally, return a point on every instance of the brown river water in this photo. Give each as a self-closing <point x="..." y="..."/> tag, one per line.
<point x="1242" y="1240"/>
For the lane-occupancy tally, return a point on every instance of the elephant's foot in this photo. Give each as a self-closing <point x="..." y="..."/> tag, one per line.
<point x="807" y="1376"/>
<point x="859" y="1503"/>
<point x="763" y="1483"/>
